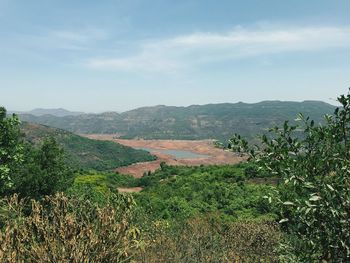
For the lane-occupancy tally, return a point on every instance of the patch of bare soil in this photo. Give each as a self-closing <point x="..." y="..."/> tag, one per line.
<point x="205" y="147"/>
<point x="129" y="189"/>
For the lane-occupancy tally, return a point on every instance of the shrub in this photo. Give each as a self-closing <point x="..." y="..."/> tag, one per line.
<point x="59" y="229"/>
<point x="204" y="239"/>
<point x="11" y="149"/>
<point x="42" y="172"/>
<point x="314" y="201"/>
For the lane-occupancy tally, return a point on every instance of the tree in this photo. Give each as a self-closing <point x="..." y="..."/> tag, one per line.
<point x="43" y="171"/>
<point x="313" y="198"/>
<point x="10" y="149"/>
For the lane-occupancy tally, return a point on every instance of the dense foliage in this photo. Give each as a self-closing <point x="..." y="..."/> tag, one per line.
<point x="10" y="149"/>
<point x="195" y="214"/>
<point x="96" y="186"/>
<point x="181" y="192"/>
<point x="43" y="171"/>
<point x="183" y="214"/>
<point x="314" y="200"/>
<point x="204" y="239"/>
<point x="86" y="153"/>
<point x="178" y="192"/>
<point x="26" y="170"/>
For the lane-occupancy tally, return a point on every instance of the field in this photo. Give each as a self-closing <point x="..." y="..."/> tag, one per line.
<point x="212" y="154"/>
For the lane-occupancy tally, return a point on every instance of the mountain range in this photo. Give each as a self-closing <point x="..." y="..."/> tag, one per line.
<point x="211" y="121"/>
<point x="60" y="112"/>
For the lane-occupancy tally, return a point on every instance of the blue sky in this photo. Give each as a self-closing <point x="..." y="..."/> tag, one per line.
<point x="117" y="55"/>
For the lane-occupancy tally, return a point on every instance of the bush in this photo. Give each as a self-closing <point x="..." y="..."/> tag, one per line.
<point x="11" y="149"/>
<point x="187" y="191"/>
<point x="314" y="201"/>
<point x="42" y="172"/>
<point x="59" y="229"/>
<point x="204" y="239"/>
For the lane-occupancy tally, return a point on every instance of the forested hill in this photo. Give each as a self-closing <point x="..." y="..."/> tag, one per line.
<point x="217" y="121"/>
<point x="85" y="153"/>
<point x="55" y="112"/>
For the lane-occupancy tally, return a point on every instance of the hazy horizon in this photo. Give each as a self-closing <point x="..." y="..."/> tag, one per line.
<point x="120" y="55"/>
<point x="331" y="102"/>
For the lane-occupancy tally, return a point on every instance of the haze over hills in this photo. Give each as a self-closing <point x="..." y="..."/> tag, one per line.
<point x="215" y="121"/>
<point x="83" y="152"/>
<point x="60" y="112"/>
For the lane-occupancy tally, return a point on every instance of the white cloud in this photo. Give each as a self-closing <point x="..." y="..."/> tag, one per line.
<point x="176" y="53"/>
<point x="48" y="39"/>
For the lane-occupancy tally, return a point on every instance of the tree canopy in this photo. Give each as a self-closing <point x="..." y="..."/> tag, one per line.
<point x="313" y="163"/>
<point x="11" y="150"/>
<point x="27" y="170"/>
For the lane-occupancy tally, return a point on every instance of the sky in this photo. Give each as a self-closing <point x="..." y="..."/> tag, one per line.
<point x="97" y="56"/>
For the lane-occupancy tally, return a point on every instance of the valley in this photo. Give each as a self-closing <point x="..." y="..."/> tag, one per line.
<point x="171" y="152"/>
<point x="169" y="182"/>
<point x="180" y="131"/>
<point x="84" y="153"/>
<point x="196" y="122"/>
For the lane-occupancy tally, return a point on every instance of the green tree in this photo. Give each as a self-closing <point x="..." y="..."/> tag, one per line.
<point x="314" y="196"/>
<point x="10" y="149"/>
<point x="43" y="171"/>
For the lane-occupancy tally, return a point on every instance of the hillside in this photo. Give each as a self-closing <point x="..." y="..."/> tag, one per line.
<point x="86" y="153"/>
<point x="216" y="121"/>
<point x="54" y="112"/>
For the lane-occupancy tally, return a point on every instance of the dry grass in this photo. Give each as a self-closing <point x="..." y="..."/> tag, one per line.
<point x="129" y="189"/>
<point x="200" y="240"/>
<point x="59" y="229"/>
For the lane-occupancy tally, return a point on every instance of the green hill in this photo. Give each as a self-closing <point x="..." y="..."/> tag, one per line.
<point x="216" y="121"/>
<point x="55" y="112"/>
<point x="86" y="153"/>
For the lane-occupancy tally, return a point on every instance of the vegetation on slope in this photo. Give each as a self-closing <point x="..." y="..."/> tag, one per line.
<point x="175" y="192"/>
<point x="215" y="121"/>
<point x="26" y="170"/>
<point x="86" y="153"/>
<point x="186" y="214"/>
<point x="54" y="112"/>
<point x="61" y="229"/>
<point x="179" y="192"/>
<point x="195" y="214"/>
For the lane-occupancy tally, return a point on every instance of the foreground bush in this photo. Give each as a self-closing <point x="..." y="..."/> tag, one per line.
<point x="11" y="150"/>
<point x="314" y="201"/>
<point x="61" y="229"/>
<point x="206" y="240"/>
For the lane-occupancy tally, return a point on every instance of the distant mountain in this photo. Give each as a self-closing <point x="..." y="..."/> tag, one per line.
<point x="216" y="121"/>
<point x="54" y="112"/>
<point x="86" y="153"/>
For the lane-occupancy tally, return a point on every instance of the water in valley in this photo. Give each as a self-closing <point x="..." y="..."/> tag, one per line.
<point x="178" y="154"/>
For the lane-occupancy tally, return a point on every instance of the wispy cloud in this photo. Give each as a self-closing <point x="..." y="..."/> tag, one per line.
<point x="191" y="50"/>
<point x="56" y="39"/>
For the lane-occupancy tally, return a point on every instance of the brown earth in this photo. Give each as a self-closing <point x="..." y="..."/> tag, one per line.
<point x="205" y="147"/>
<point x="129" y="189"/>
